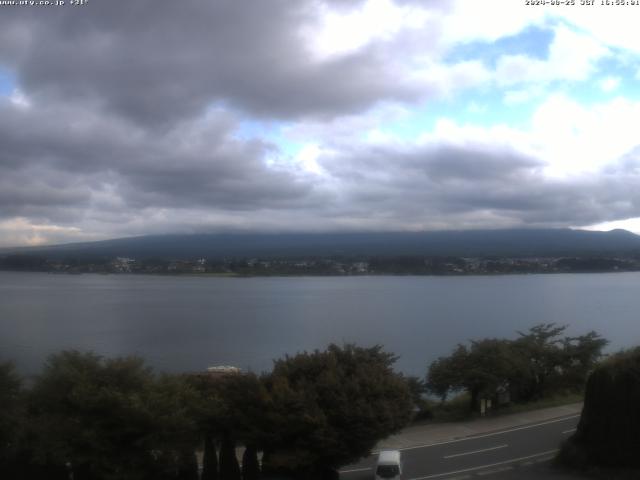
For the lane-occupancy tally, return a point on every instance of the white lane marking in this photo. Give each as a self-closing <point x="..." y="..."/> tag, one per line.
<point x="564" y="419"/>
<point x="353" y="470"/>
<point x="513" y="460"/>
<point x="571" y="430"/>
<point x="542" y="460"/>
<point x="476" y="451"/>
<point x="495" y="470"/>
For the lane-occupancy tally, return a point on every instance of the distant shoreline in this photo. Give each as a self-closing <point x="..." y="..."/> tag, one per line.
<point x="318" y="275"/>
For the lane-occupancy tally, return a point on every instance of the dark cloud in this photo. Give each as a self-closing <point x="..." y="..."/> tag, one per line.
<point x="131" y="115"/>
<point x="155" y="62"/>
<point x="475" y="185"/>
<point x="58" y="157"/>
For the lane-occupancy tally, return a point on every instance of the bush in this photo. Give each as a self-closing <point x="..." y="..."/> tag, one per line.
<point x="608" y="433"/>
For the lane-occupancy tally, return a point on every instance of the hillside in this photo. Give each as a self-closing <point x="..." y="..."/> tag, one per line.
<point x="473" y="243"/>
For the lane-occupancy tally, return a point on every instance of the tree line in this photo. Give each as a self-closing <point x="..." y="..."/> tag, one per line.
<point x="92" y="418"/>
<point x="541" y="362"/>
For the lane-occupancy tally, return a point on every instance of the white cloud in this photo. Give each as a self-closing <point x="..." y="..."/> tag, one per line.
<point x="519" y="96"/>
<point x="307" y="158"/>
<point x="447" y="131"/>
<point x="572" y="56"/>
<point x="609" y="84"/>
<point x="630" y="224"/>
<point x="22" y="231"/>
<point x="515" y="69"/>
<point x="339" y="32"/>
<point x="19" y="99"/>
<point x="488" y="20"/>
<point x="615" y="26"/>
<point x="571" y="138"/>
<point x="347" y="130"/>
<point x="575" y="138"/>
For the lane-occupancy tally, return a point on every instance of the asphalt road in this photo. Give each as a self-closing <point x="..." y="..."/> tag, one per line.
<point x="517" y="453"/>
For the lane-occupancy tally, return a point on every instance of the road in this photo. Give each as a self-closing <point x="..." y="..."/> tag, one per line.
<point x="516" y="453"/>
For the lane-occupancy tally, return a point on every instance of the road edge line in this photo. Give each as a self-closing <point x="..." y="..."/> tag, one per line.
<point x="504" y="462"/>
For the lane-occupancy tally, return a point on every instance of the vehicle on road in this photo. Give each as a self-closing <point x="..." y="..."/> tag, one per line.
<point x="389" y="465"/>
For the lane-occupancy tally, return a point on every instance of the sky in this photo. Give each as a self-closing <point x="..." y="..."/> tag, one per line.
<point x="143" y="117"/>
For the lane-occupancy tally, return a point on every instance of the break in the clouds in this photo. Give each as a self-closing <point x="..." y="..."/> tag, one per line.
<point x="315" y="115"/>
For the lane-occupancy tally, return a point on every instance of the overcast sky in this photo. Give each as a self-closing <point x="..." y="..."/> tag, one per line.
<point x="147" y="116"/>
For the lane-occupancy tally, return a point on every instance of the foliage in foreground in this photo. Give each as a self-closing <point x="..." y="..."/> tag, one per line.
<point x="608" y="434"/>
<point x="104" y="419"/>
<point x="331" y="408"/>
<point x="538" y="364"/>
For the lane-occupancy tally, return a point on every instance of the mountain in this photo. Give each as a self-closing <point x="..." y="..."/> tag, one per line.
<point x="518" y="242"/>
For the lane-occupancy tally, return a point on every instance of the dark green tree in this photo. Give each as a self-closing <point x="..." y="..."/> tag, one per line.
<point x="480" y="370"/>
<point x="244" y="400"/>
<point x="541" y="358"/>
<point x="608" y="433"/>
<point x="250" y="465"/>
<point x="490" y="366"/>
<point x="233" y="411"/>
<point x="11" y="417"/>
<point x="109" y="418"/>
<point x="209" y="459"/>
<point x="187" y="465"/>
<point x="91" y="413"/>
<point x="581" y="355"/>
<point x="538" y="363"/>
<point x="329" y="408"/>
<point x="229" y="468"/>
<point x="421" y="405"/>
<point x="549" y="362"/>
<point x="445" y="374"/>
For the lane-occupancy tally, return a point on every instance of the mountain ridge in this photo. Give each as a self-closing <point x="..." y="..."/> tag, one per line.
<point x="497" y="242"/>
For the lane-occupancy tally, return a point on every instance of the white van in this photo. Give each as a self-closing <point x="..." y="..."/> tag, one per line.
<point x="389" y="466"/>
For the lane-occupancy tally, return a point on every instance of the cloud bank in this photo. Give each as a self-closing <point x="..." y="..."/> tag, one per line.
<point x="312" y="115"/>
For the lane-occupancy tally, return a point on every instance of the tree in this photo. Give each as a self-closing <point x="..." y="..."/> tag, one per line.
<point x="10" y="415"/>
<point x="541" y="359"/>
<point x="232" y="409"/>
<point x="549" y="363"/>
<point x="90" y="413"/>
<point x="173" y="405"/>
<point x="250" y="465"/>
<point x="538" y="363"/>
<point x="209" y="459"/>
<point x="445" y="373"/>
<point x="110" y="418"/>
<point x="421" y="405"/>
<point x="481" y="370"/>
<point x="608" y="433"/>
<point x="244" y="400"/>
<point x="489" y="367"/>
<point x="582" y="354"/>
<point x="187" y="465"/>
<point x="329" y="408"/>
<point x="229" y="468"/>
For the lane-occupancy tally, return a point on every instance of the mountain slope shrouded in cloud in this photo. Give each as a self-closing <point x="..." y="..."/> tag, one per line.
<point x="524" y="242"/>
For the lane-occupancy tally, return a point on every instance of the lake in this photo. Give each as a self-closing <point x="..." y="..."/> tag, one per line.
<point x="186" y="323"/>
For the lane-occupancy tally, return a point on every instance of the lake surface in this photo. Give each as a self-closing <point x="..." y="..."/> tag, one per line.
<point x="188" y="323"/>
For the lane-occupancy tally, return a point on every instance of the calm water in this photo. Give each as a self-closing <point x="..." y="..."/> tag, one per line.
<point x="189" y="323"/>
